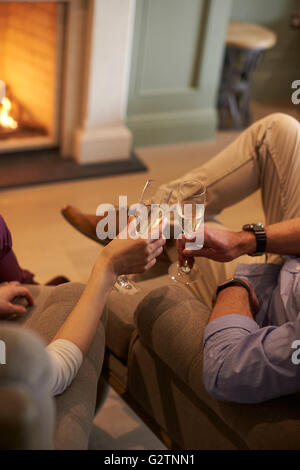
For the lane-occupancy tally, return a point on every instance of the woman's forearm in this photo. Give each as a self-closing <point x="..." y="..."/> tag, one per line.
<point x="81" y="324"/>
<point x="121" y="256"/>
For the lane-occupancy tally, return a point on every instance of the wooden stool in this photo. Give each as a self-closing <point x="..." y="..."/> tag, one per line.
<point x="245" y="46"/>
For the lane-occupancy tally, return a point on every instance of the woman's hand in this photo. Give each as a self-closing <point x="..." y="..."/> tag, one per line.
<point x="219" y="245"/>
<point x="10" y="290"/>
<point x="126" y="255"/>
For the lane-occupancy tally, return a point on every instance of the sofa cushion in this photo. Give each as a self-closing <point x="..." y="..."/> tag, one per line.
<point x="120" y="315"/>
<point x="171" y="321"/>
<point x="75" y="408"/>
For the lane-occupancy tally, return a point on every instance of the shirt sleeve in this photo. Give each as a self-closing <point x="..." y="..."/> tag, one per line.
<point x="247" y="364"/>
<point x="66" y="359"/>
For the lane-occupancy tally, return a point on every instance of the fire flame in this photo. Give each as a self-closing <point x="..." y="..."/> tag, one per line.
<point x="5" y="119"/>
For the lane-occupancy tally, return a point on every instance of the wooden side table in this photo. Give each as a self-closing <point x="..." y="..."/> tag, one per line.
<point x="245" y="44"/>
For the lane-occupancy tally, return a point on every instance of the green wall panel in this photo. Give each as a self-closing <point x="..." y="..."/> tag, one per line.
<point x="169" y="36"/>
<point x="177" y="58"/>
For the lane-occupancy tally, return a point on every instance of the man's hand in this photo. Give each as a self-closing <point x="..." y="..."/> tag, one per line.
<point x="10" y="290"/>
<point x="219" y="245"/>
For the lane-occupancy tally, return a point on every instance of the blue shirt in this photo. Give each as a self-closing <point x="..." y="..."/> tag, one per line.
<point x="249" y="361"/>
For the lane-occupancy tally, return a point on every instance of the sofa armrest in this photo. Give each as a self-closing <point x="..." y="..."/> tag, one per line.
<point x="26" y="405"/>
<point x="171" y="321"/>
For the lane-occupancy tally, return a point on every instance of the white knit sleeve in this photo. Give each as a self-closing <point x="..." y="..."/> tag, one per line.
<point x="66" y="359"/>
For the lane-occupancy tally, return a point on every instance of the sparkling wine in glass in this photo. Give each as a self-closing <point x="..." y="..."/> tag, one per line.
<point x="152" y="211"/>
<point x="190" y="216"/>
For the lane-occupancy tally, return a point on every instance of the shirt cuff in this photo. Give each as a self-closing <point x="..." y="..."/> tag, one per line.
<point x="230" y="321"/>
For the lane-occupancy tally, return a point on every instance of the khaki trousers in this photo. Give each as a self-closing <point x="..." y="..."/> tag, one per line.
<point x="265" y="156"/>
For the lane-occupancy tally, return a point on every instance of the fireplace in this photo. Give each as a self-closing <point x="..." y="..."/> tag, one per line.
<point x="31" y="45"/>
<point x="64" y="67"/>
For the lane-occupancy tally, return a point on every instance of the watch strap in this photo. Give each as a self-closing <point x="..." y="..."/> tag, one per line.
<point x="233" y="282"/>
<point x="236" y="282"/>
<point x="260" y="235"/>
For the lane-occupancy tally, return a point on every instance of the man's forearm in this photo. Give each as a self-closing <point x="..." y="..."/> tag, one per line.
<point x="232" y="300"/>
<point x="283" y="238"/>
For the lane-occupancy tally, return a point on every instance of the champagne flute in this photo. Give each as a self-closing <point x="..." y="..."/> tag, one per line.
<point x="153" y="208"/>
<point x="152" y="213"/>
<point x="190" y="216"/>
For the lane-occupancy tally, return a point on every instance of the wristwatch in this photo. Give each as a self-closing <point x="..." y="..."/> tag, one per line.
<point x="232" y="282"/>
<point x="260" y="235"/>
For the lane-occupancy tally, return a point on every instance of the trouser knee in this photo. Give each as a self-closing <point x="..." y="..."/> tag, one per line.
<point x="285" y="125"/>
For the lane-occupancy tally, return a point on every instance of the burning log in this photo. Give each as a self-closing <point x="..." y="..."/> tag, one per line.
<point x="15" y="119"/>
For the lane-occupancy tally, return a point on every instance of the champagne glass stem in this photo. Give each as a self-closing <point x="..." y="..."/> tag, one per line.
<point x="185" y="268"/>
<point x="123" y="281"/>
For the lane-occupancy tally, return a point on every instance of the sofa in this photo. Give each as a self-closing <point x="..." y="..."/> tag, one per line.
<point x="152" y="358"/>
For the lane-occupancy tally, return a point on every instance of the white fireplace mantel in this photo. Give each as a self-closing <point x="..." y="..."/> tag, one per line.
<point x="97" y="62"/>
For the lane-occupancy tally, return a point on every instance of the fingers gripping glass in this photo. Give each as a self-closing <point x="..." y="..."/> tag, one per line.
<point x="152" y="210"/>
<point x="190" y="220"/>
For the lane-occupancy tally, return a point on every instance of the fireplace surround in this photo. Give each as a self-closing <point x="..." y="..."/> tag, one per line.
<point x="81" y="97"/>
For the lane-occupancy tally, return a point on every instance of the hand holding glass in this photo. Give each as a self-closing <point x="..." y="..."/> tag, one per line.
<point x="150" y="220"/>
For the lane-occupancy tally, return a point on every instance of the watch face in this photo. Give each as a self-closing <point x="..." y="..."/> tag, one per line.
<point x="252" y="227"/>
<point x="248" y="227"/>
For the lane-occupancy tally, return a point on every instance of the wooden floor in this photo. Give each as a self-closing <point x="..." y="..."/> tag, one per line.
<point x="47" y="245"/>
